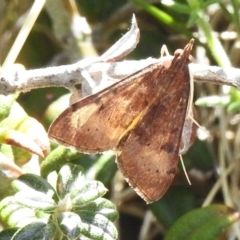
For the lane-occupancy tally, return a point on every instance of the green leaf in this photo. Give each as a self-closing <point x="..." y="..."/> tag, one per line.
<point x="203" y="223"/>
<point x="70" y="179"/>
<point x="176" y="202"/>
<point x="88" y="192"/>
<point x="163" y="17"/>
<point x="33" y="182"/>
<point x="56" y="159"/>
<point x="21" y="140"/>
<point x="178" y="7"/>
<point x="233" y="107"/>
<point x="56" y="108"/>
<point x="18" y="155"/>
<point x="6" y="105"/>
<point x="35" y="200"/>
<point x="97" y="227"/>
<point x="101" y="206"/>
<point x="70" y="224"/>
<point x="8" y="172"/>
<point x="213" y="101"/>
<point x="103" y="169"/>
<point x="28" y="127"/>
<point x="8" y="233"/>
<point x="13" y="214"/>
<point x="36" y="231"/>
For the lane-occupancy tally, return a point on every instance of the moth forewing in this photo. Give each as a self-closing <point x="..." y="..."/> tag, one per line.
<point x="141" y="117"/>
<point x="98" y="122"/>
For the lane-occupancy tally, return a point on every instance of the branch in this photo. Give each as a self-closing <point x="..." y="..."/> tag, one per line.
<point x="97" y="73"/>
<point x="213" y="74"/>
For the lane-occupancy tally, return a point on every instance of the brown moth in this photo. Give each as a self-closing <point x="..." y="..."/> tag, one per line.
<point x="140" y="117"/>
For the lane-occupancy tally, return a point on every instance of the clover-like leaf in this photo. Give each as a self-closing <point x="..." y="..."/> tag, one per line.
<point x="70" y="224"/>
<point x="35" y="200"/>
<point x="8" y="233"/>
<point x="100" y="206"/>
<point x="88" y="192"/>
<point x="13" y="214"/>
<point x="36" y="230"/>
<point x="33" y="182"/>
<point x="97" y="227"/>
<point x="70" y="179"/>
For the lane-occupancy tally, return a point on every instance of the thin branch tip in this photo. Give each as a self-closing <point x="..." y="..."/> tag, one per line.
<point x="134" y="20"/>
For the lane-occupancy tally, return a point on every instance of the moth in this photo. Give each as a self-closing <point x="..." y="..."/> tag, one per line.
<point x="141" y="118"/>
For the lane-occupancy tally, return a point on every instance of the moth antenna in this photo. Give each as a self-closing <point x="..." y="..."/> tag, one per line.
<point x="164" y="50"/>
<point x="184" y="170"/>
